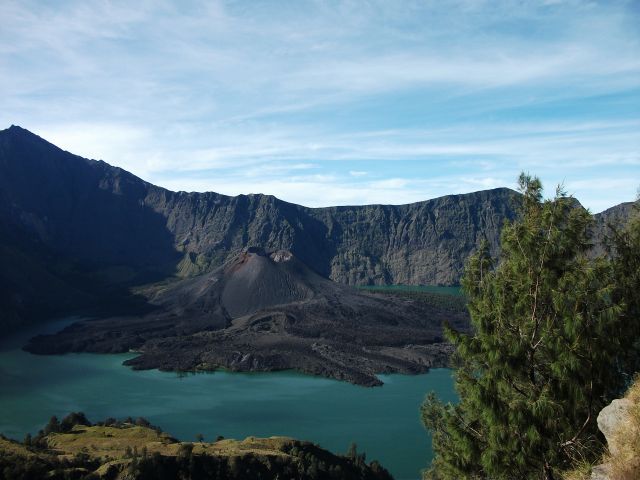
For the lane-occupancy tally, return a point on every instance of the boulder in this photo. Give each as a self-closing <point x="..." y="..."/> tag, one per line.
<point x="610" y="419"/>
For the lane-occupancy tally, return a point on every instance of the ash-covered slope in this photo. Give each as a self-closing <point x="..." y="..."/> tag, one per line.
<point x="252" y="281"/>
<point x="268" y="311"/>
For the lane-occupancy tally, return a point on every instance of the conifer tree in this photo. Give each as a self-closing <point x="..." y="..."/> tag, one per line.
<point x="550" y="336"/>
<point x="53" y="426"/>
<point x="624" y="246"/>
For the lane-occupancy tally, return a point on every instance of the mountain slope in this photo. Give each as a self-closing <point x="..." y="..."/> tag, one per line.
<point x="96" y="231"/>
<point x="101" y="229"/>
<point x="90" y="210"/>
<point x="137" y="451"/>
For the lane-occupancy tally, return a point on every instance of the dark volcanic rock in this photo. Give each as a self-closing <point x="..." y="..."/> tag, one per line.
<point x="97" y="228"/>
<point x="268" y="311"/>
<point x="93" y="231"/>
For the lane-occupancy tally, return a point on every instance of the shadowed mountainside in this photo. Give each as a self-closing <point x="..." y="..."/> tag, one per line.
<point x="268" y="311"/>
<point x="77" y="234"/>
<point x="615" y="217"/>
<point x="94" y="229"/>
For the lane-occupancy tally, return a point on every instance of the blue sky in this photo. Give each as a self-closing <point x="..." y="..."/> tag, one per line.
<point x="334" y="103"/>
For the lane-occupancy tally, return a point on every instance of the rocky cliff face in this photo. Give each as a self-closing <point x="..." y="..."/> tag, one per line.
<point x="615" y="217"/>
<point x="99" y="228"/>
<point x="421" y="243"/>
<point x="98" y="214"/>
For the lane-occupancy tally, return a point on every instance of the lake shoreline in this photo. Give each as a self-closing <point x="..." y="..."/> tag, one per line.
<point x="384" y="422"/>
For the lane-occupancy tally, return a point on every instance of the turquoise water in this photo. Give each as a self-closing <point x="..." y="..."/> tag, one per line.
<point x="383" y="421"/>
<point x="457" y="291"/>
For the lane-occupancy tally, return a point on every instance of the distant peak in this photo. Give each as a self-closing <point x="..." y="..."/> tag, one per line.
<point x="18" y="131"/>
<point x="17" y="128"/>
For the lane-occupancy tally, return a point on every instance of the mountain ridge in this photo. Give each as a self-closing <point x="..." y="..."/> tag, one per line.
<point x="100" y="230"/>
<point x="206" y="229"/>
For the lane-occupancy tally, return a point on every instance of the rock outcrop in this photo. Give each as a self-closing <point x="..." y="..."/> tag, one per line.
<point x="619" y="422"/>
<point x="611" y="418"/>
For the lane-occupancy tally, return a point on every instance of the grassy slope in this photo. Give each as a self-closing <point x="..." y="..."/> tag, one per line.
<point x="104" y="441"/>
<point x="137" y="452"/>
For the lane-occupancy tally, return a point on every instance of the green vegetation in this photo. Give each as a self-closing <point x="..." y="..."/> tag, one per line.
<point x="133" y="449"/>
<point x="445" y="298"/>
<point x="440" y="289"/>
<point x="555" y="333"/>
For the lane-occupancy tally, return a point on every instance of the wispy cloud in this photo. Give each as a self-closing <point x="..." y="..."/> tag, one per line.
<point x="341" y="102"/>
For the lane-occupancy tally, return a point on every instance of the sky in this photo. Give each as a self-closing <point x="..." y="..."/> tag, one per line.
<point x="335" y="102"/>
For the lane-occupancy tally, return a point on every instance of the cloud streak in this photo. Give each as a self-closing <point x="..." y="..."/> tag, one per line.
<point x="263" y="96"/>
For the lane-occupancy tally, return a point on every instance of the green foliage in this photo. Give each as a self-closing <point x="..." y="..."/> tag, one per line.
<point x="352" y="451"/>
<point x="73" y="419"/>
<point x="311" y="463"/>
<point x="15" y="465"/>
<point x="53" y="426"/>
<point x="624" y="247"/>
<point x="305" y="461"/>
<point x="186" y="450"/>
<point x="143" y="422"/>
<point x="359" y="459"/>
<point x="553" y="332"/>
<point x="444" y="301"/>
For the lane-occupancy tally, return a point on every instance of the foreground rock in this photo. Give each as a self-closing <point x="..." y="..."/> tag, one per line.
<point x="124" y="450"/>
<point x="610" y="420"/>
<point x="620" y="424"/>
<point x="267" y="311"/>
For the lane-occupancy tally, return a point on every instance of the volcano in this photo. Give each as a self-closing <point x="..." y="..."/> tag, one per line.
<point x="265" y="311"/>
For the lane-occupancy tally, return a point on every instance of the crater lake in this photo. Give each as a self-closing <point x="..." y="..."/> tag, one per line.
<point x="384" y="421"/>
